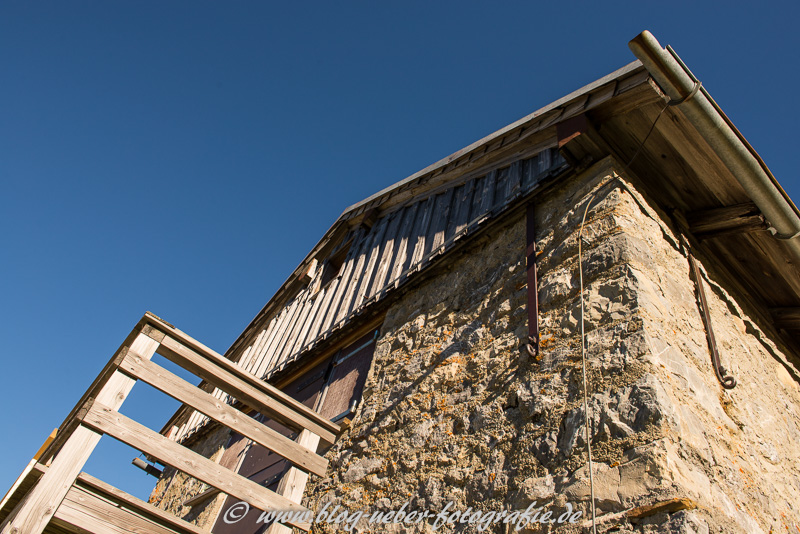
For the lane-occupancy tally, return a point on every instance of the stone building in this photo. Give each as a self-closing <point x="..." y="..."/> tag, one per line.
<point x="441" y="321"/>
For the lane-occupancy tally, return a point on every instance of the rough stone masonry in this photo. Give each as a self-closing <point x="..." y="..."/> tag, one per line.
<point x="453" y="410"/>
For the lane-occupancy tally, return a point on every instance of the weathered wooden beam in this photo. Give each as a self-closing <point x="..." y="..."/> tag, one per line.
<point x="38" y="507"/>
<point x="130" y="502"/>
<point x="121" y="500"/>
<point x="293" y="483"/>
<point x="71" y="422"/>
<point x="242" y="390"/>
<point x="203" y="402"/>
<point x="734" y="219"/>
<point x="87" y="512"/>
<point x="578" y="142"/>
<point x="786" y="318"/>
<point x="369" y="218"/>
<point x="108" y="421"/>
<point x="27" y="479"/>
<point x="318" y="424"/>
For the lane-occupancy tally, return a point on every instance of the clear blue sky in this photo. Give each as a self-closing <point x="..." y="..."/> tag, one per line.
<point x="183" y="157"/>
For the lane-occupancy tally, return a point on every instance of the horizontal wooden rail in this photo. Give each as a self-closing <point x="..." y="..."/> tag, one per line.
<point x="243" y="390"/>
<point x="203" y="402"/>
<point x="72" y="420"/>
<point x="55" y="493"/>
<point x="237" y="371"/>
<point x="84" y="510"/>
<point x="36" y="510"/>
<point x="108" y="421"/>
<point x="120" y="504"/>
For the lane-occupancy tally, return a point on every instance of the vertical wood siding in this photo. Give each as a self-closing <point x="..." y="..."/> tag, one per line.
<point x="379" y="258"/>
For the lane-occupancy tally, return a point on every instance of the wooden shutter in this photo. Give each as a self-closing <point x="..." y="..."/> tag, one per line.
<point x="331" y="388"/>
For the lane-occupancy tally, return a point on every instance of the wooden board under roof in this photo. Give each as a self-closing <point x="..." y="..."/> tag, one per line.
<point x="380" y="257"/>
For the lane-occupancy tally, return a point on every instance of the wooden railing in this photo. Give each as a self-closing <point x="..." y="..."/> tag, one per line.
<point x="53" y="489"/>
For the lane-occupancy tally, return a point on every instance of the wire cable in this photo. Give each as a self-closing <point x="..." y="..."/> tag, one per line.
<point x="584" y="340"/>
<point x="583" y="366"/>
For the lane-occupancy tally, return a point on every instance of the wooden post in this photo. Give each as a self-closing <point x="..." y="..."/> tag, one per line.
<point x="293" y="483"/>
<point x="35" y="511"/>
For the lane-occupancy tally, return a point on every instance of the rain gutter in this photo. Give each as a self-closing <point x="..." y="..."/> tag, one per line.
<point x="680" y="85"/>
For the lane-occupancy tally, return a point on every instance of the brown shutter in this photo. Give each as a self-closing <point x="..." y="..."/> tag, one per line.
<point x="347" y="378"/>
<point x="331" y="388"/>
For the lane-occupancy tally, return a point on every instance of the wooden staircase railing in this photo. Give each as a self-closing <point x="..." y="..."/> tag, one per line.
<point x="53" y="495"/>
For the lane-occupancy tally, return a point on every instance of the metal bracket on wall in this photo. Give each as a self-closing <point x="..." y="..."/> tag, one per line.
<point x="727" y="381"/>
<point x="532" y="346"/>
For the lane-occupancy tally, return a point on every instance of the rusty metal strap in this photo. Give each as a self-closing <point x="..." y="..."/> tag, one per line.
<point x="532" y="346"/>
<point x="727" y="381"/>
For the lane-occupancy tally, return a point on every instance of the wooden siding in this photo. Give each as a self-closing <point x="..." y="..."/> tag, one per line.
<point x="380" y="258"/>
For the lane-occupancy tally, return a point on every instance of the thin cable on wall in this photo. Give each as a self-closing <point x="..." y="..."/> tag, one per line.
<point x="584" y="340"/>
<point x="583" y="365"/>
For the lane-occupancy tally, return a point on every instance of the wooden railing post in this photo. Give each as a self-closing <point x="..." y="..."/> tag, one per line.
<point x="293" y="483"/>
<point x="33" y="514"/>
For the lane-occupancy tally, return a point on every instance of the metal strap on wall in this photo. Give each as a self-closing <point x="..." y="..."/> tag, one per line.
<point x="727" y="381"/>
<point x="532" y="346"/>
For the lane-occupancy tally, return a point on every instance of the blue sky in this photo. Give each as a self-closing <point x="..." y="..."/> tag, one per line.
<point x="184" y="157"/>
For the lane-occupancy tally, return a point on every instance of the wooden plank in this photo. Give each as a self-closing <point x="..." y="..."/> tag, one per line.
<point x="262" y="355"/>
<point x="27" y="479"/>
<point x="484" y="196"/>
<point x="282" y="349"/>
<point x="259" y="395"/>
<point x="787" y="318"/>
<point x="529" y="173"/>
<point x="420" y="231"/>
<point x="461" y="208"/>
<point x="83" y="510"/>
<point x="300" y="327"/>
<point x="258" y="355"/>
<point x="440" y="218"/>
<point x="387" y="253"/>
<point x="322" y="312"/>
<point x="293" y="483"/>
<point x="183" y="391"/>
<point x="271" y="354"/>
<point x="46" y="444"/>
<point x="405" y="244"/>
<point x="344" y="282"/>
<point x="71" y="421"/>
<point x="374" y="253"/>
<point x="32" y="516"/>
<point x="314" y="319"/>
<point x="500" y="186"/>
<point x="251" y="353"/>
<point x="744" y="217"/>
<point x="184" y="342"/>
<point x="108" y="421"/>
<point x="346" y="304"/>
<point x="129" y="501"/>
<point x="305" y="325"/>
<point x="513" y="182"/>
<point x="779" y="274"/>
<point x="246" y="357"/>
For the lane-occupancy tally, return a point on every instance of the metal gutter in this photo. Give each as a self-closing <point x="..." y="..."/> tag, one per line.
<point x="679" y="83"/>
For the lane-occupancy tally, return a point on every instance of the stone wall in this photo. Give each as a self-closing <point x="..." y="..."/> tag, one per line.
<point x="175" y="487"/>
<point x="454" y="411"/>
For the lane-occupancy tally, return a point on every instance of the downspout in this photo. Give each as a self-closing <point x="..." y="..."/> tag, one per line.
<point x="700" y="109"/>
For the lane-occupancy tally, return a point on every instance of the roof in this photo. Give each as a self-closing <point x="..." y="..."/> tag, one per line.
<point x="526" y="137"/>
<point x="377" y="245"/>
